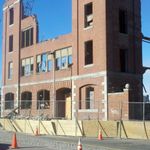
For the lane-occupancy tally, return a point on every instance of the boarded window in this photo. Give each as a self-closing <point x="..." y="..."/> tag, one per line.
<point x="49" y="63"/>
<point x="27" y="66"/>
<point x="88" y="15"/>
<point x="63" y="58"/>
<point x="42" y="62"/>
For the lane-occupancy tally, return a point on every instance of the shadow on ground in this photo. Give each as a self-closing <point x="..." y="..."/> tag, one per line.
<point x="4" y="146"/>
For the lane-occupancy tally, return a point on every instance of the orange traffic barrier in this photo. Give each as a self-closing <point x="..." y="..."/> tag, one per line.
<point x="79" y="145"/>
<point x="100" y="137"/>
<point x="14" y="142"/>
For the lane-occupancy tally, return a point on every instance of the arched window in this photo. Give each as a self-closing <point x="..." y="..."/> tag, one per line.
<point x="86" y="100"/>
<point x="43" y="98"/>
<point x="26" y="100"/>
<point x="9" y="101"/>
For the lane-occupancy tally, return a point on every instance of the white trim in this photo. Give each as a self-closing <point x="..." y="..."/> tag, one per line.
<point x="89" y="27"/>
<point x="11" y="5"/>
<point x="103" y="101"/>
<point x="5" y="8"/>
<point x="88" y="66"/>
<point x="16" y="1"/>
<point x="103" y="83"/>
<point x="11" y="25"/>
<point x="80" y="77"/>
<point x="10" y="86"/>
<point x="106" y="98"/>
<point x="10" y="52"/>
<point x="17" y="98"/>
<point x="74" y="86"/>
<point x="27" y="28"/>
<point x="73" y="101"/>
<point x="88" y="110"/>
<point x="116" y="93"/>
<point x="91" y="75"/>
<point x="104" y="110"/>
<point x="2" y="102"/>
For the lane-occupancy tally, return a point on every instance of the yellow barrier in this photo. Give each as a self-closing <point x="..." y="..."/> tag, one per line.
<point x="88" y="128"/>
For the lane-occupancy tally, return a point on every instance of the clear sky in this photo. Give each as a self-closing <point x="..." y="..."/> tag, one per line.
<point x="55" y="20"/>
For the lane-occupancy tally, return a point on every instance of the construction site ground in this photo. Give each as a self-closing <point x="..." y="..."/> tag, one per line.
<point x="31" y="142"/>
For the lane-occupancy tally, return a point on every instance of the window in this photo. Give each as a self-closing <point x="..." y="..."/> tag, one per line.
<point x="63" y="58"/>
<point x="123" y="27"/>
<point x="44" y="62"/>
<point x="10" y="43"/>
<point x="58" y="63"/>
<point x="123" y="60"/>
<point x="27" y="38"/>
<point x="49" y="63"/>
<point x="11" y="16"/>
<point x="26" y="100"/>
<point x="88" y="15"/>
<point x="10" y="70"/>
<point x="69" y="59"/>
<point x="27" y="66"/>
<point x="43" y="99"/>
<point x="70" y="56"/>
<point x="88" y="52"/>
<point x="9" y="101"/>
<point x="89" y="97"/>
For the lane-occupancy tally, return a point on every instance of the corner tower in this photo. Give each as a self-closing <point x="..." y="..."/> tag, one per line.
<point x="107" y="44"/>
<point x="12" y="13"/>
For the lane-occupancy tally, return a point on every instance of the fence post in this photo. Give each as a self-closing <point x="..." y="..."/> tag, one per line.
<point x="98" y="109"/>
<point x="76" y="119"/>
<point x="120" y="122"/>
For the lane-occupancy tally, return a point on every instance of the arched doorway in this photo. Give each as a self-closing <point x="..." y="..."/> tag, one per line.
<point x="9" y="101"/>
<point x="26" y="100"/>
<point x="63" y="103"/>
<point x="43" y="99"/>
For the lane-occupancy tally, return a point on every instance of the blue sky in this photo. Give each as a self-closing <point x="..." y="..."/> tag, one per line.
<point x="55" y="20"/>
<point x="146" y="47"/>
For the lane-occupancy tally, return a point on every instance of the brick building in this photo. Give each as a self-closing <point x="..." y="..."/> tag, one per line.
<point x="87" y="73"/>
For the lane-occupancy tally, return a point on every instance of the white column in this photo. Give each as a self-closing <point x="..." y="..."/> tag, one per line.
<point x="105" y="97"/>
<point x="2" y="101"/>
<point x="73" y="100"/>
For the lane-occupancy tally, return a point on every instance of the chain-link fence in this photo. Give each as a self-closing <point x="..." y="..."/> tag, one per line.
<point x="80" y="110"/>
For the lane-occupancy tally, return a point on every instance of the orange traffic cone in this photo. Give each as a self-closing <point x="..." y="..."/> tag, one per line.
<point x="100" y="137"/>
<point x="14" y="142"/>
<point x="36" y="132"/>
<point x="79" y="145"/>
